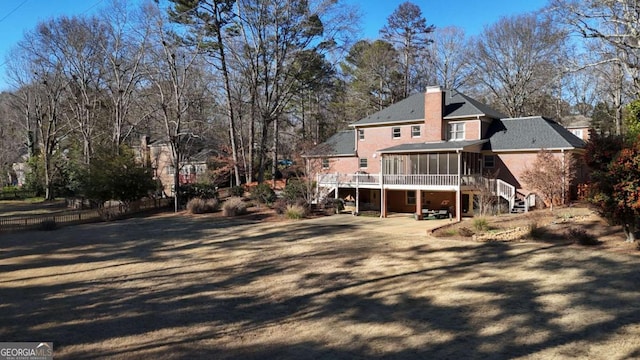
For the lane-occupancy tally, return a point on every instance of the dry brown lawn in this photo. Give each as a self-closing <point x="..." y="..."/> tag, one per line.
<point x="339" y="287"/>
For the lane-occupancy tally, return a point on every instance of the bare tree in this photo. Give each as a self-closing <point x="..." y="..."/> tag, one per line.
<point x="125" y="47"/>
<point x="550" y="176"/>
<point x="614" y="23"/>
<point x="172" y="74"/>
<point x="408" y="31"/>
<point x="517" y="58"/>
<point x="448" y="57"/>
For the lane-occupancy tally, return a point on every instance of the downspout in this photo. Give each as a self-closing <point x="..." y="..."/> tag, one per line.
<point x="383" y="206"/>
<point x="564" y="178"/>
<point x="458" y="192"/>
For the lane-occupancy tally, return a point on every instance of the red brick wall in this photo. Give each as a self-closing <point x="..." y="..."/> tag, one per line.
<point x="472" y="130"/>
<point x="513" y="165"/>
<point x="433" y="104"/>
<point x="377" y="138"/>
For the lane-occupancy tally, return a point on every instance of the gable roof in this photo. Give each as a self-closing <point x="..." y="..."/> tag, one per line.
<point x="411" y="109"/>
<point x="342" y="143"/>
<point x="530" y="133"/>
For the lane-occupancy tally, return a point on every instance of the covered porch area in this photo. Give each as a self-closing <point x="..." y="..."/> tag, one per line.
<point x="428" y="179"/>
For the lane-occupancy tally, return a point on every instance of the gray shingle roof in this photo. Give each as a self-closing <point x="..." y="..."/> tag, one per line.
<point x="412" y="109"/>
<point x="432" y="146"/>
<point x="530" y="133"/>
<point x="342" y="143"/>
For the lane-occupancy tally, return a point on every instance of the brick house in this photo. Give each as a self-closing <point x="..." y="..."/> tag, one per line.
<point x="157" y="155"/>
<point x="429" y="153"/>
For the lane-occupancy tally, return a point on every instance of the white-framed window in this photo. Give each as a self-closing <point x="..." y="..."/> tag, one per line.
<point x="456" y="131"/>
<point x="411" y="197"/>
<point x="395" y="132"/>
<point x="577" y="132"/>
<point x="360" y="134"/>
<point x="325" y="163"/>
<point x="363" y="163"/>
<point x="489" y="161"/>
<point x="415" y="131"/>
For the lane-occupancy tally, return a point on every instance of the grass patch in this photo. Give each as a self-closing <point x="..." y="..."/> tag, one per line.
<point x="202" y="206"/>
<point x="295" y="212"/>
<point x="480" y="224"/>
<point x="234" y="206"/>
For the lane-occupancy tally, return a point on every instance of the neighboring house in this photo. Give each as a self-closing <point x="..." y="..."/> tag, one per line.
<point x="432" y="152"/>
<point x="158" y="156"/>
<point x="578" y="125"/>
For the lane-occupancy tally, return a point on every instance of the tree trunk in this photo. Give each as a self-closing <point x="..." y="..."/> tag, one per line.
<point x="274" y="159"/>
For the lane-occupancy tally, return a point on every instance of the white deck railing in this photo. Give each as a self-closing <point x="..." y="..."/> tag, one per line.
<point x="374" y="179"/>
<point x="507" y="191"/>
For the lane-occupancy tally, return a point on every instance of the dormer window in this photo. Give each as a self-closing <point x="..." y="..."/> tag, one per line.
<point x="456" y="131"/>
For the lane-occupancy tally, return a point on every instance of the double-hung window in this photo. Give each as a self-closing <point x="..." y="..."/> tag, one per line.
<point x="363" y="163"/>
<point x="395" y="133"/>
<point x="360" y="134"/>
<point x="325" y="163"/>
<point x="415" y="131"/>
<point x="456" y="131"/>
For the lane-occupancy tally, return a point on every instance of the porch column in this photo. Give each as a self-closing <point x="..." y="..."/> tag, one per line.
<point x="337" y="185"/>
<point x="419" y="204"/>
<point x="383" y="195"/>
<point x="458" y="192"/>
<point x="383" y="203"/>
<point x="357" y="194"/>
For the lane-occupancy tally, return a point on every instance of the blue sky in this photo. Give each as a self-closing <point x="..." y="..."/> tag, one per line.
<point x="18" y="16"/>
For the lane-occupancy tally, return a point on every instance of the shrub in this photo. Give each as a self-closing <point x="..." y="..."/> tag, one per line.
<point x="536" y="231"/>
<point x="294" y="190"/>
<point x="263" y="193"/>
<point x="48" y="225"/>
<point x="234" y="206"/>
<point x="295" y="212"/>
<point x="198" y="190"/>
<point x="582" y="237"/>
<point x="465" y="231"/>
<point x="480" y="224"/>
<point x="237" y="190"/>
<point x="201" y="206"/>
<point x="280" y="206"/>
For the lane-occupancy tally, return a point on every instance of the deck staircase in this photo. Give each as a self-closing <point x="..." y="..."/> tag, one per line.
<point x="519" y="200"/>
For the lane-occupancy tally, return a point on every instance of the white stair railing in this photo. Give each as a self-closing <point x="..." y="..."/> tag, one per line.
<point x="507" y="192"/>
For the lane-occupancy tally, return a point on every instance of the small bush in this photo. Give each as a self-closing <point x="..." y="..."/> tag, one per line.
<point x="237" y="190"/>
<point x="294" y="190"/>
<point x="582" y="237"/>
<point x="234" y="206"/>
<point x="536" y="231"/>
<point x="280" y="206"/>
<point x="201" y="206"/>
<point x="295" y="212"/>
<point x="465" y="231"/>
<point x="263" y="194"/>
<point x="48" y="225"/>
<point x="198" y="190"/>
<point x="480" y="224"/>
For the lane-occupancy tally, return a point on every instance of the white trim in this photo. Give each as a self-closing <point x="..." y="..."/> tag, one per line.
<point x="398" y="122"/>
<point x="534" y="149"/>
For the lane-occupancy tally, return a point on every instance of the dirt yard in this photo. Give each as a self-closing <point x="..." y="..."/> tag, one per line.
<point x="338" y="287"/>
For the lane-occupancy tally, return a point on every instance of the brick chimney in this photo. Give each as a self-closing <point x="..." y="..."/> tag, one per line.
<point x="433" y="109"/>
